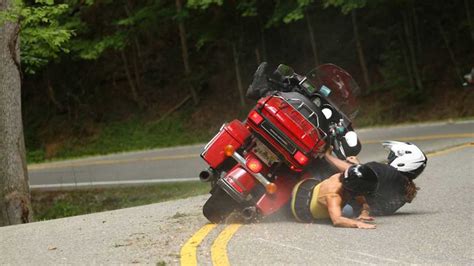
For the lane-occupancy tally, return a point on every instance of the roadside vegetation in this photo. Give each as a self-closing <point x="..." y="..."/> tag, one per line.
<point x="57" y="204"/>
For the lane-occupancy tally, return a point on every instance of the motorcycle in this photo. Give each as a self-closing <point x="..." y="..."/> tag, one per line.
<point x="254" y="164"/>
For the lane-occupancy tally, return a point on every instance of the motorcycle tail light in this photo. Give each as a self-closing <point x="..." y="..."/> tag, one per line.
<point x="271" y="188"/>
<point x="254" y="165"/>
<point x="300" y="158"/>
<point x="255" y="117"/>
<point x="229" y="150"/>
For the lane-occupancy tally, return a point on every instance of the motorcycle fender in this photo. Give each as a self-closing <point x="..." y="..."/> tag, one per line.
<point x="270" y="203"/>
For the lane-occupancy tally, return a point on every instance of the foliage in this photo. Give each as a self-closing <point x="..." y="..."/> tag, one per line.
<point x="134" y="134"/>
<point x="43" y="36"/>
<point x="203" y="4"/>
<point x="54" y="204"/>
<point x="346" y="5"/>
<point x="88" y="54"/>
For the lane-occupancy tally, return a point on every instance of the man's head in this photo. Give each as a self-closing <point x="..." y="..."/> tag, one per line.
<point x="406" y="157"/>
<point x="360" y="179"/>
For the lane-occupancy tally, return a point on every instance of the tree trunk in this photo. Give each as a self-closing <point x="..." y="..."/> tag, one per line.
<point x="131" y="83"/>
<point x="312" y="40"/>
<point x="411" y="50"/>
<point x="184" y="51"/>
<point x="469" y="19"/>
<point x="416" y="26"/>
<point x="406" y="60"/>
<point x="237" y="74"/>
<point x="135" y="50"/>
<point x="450" y="51"/>
<point x="15" y="205"/>
<point x="360" y="51"/>
<point x="262" y="39"/>
<point x="258" y="57"/>
<point x="50" y="91"/>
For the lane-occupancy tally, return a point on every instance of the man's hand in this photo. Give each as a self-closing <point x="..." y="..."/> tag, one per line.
<point x="365" y="217"/>
<point x="362" y="225"/>
<point x="328" y="150"/>
<point x="353" y="160"/>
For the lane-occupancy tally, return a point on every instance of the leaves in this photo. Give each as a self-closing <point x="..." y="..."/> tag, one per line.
<point x="346" y="5"/>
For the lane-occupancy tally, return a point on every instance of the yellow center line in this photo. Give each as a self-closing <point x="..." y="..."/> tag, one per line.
<point x="188" y="251"/>
<point x="219" y="247"/>
<point x="106" y="162"/>
<point x="449" y="150"/>
<point x="189" y="156"/>
<point x="427" y="137"/>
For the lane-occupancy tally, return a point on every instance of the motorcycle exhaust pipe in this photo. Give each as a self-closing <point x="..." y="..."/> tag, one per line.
<point x="249" y="214"/>
<point x="207" y="175"/>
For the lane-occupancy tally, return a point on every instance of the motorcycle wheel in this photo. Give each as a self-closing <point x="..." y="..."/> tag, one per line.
<point x="218" y="207"/>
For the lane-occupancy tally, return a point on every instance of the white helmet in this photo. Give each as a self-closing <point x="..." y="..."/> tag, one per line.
<point x="406" y="157"/>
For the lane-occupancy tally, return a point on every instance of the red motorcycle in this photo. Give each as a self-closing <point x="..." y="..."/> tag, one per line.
<point x="254" y="164"/>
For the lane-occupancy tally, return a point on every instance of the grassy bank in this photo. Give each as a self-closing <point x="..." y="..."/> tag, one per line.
<point x="129" y="135"/>
<point x="57" y="204"/>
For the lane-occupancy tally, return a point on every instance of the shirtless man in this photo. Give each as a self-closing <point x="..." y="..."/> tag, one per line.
<point x="313" y="199"/>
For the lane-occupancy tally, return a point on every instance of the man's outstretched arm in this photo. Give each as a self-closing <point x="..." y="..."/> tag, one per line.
<point x="338" y="163"/>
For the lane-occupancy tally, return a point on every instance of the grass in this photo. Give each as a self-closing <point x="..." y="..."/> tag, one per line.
<point x="57" y="204"/>
<point x="134" y="134"/>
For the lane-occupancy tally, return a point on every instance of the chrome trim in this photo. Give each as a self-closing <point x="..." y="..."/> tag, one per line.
<point x="241" y="160"/>
<point x="309" y="108"/>
<point x="303" y="80"/>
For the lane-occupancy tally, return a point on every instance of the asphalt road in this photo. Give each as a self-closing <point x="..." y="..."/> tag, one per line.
<point x="184" y="163"/>
<point x="435" y="229"/>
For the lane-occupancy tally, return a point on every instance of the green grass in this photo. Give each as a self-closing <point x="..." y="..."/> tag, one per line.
<point x="57" y="204"/>
<point x="134" y="134"/>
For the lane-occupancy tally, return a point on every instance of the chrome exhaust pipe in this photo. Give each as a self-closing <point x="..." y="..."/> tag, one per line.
<point x="249" y="214"/>
<point x="207" y="175"/>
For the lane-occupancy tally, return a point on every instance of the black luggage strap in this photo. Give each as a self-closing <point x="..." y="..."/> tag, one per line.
<point x="302" y="200"/>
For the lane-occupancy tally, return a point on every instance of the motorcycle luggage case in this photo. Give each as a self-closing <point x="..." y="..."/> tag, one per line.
<point x="234" y="133"/>
<point x="286" y="129"/>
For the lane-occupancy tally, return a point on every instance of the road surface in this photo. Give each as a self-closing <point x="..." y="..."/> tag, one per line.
<point x="435" y="229"/>
<point x="184" y="163"/>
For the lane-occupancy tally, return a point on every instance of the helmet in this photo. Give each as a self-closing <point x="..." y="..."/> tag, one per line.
<point x="406" y="157"/>
<point x="360" y="179"/>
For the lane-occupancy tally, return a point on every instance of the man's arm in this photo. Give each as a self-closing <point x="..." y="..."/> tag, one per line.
<point x="338" y="163"/>
<point x="334" y="202"/>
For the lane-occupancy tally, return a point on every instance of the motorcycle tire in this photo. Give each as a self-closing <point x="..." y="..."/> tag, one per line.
<point x="219" y="206"/>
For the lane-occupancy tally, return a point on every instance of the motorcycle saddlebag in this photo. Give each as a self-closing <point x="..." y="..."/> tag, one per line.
<point x="233" y="133"/>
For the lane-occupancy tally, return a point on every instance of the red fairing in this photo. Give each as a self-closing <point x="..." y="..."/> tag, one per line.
<point x="235" y="133"/>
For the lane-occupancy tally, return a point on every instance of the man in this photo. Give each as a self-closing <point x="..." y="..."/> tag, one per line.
<point x="396" y="187"/>
<point x="313" y="199"/>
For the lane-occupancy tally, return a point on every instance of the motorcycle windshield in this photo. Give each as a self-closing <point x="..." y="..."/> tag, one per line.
<point x="338" y="86"/>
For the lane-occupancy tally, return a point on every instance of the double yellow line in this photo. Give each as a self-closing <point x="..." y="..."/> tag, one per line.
<point x="219" y="247"/>
<point x="66" y="164"/>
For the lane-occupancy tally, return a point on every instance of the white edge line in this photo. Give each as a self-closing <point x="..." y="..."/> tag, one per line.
<point x="112" y="183"/>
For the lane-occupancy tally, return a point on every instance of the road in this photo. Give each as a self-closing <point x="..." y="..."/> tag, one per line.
<point x="435" y="229"/>
<point x="184" y="163"/>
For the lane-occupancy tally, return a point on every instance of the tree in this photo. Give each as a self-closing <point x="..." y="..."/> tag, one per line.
<point x="351" y="6"/>
<point x="15" y="205"/>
